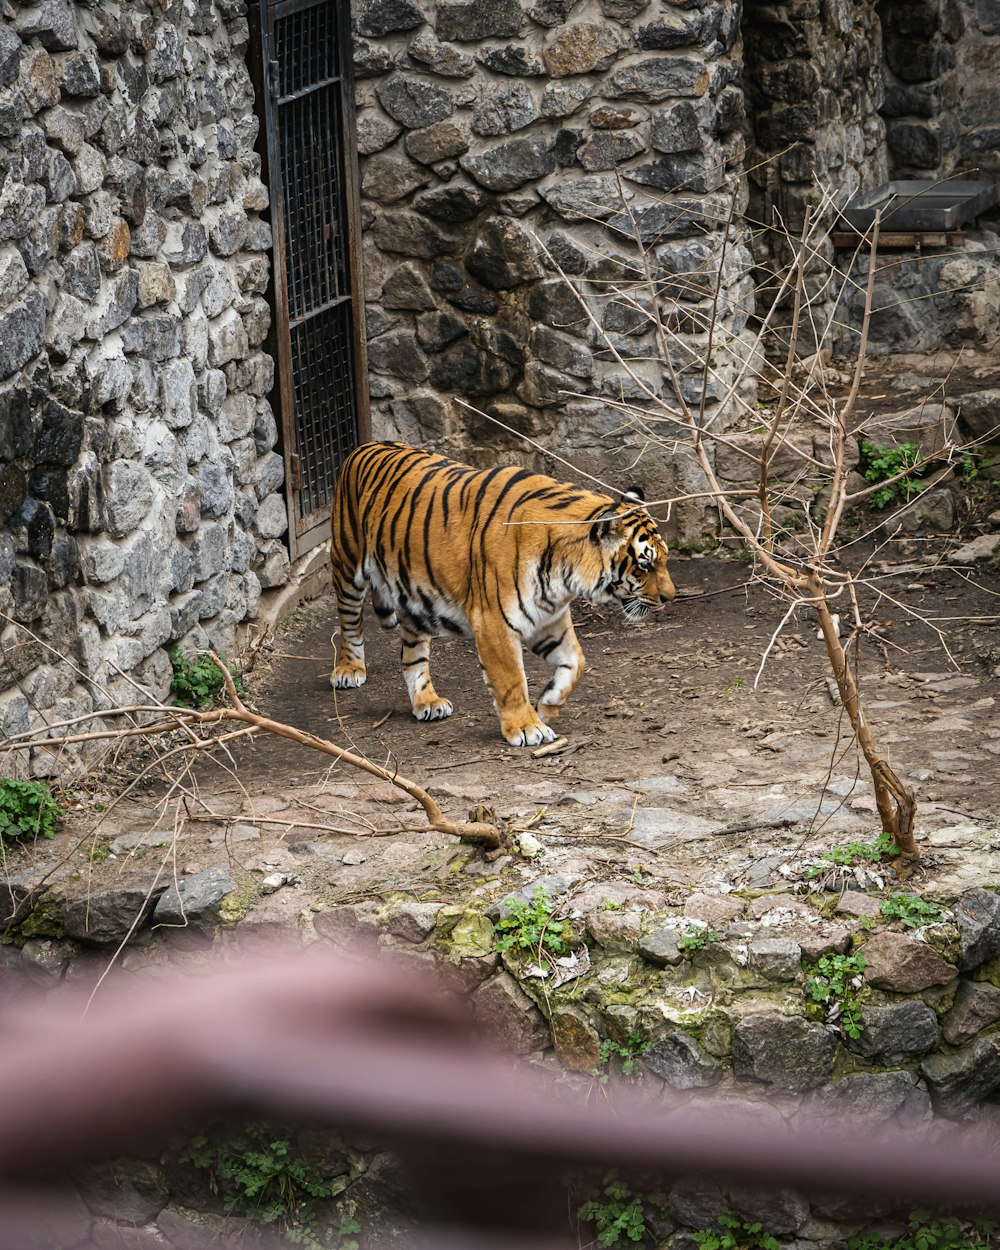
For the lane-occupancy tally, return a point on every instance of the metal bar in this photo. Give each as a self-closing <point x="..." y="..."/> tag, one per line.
<point x="318" y="86"/>
<point x="901" y="238"/>
<point x="295" y="322"/>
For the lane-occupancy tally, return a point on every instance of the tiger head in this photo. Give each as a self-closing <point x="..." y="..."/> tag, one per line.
<point x="635" y="557"/>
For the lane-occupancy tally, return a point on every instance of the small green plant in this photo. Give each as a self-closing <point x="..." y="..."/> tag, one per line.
<point x="694" y="937"/>
<point x="910" y="909"/>
<point x="259" y="1175"/>
<point x="733" y="685"/>
<point x="27" y="810"/>
<point x="637" y="878"/>
<point x="735" y="1234"/>
<point x="530" y="927"/>
<point x="339" y="1238"/>
<point x="99" y="854"/>
<point x="832" y="984"/>
<point x="619" y="1213"/>
<point x="627" y="1054"/>
<point x="610" y="904"/>
<point x="927" y="1231"/>
<point x="197" y="682"/>
<point x="852" y="853"/>
<point x="881" y="463"/>
<point x="971" y="466"/>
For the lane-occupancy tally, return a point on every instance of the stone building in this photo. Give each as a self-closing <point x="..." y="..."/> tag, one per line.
<point x="166" y="453"/>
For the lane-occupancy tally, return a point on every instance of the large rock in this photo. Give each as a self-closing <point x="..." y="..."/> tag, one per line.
<point x="194" y="902"/>
<point x="22" y="332"/>
<point x="585" y="199"/>
<point x="977" y="914"/>
<point x="976" y="1005"/>
<point x="785" y="1051"/>
<point x="375" y="18"/>
<point x="681" y="1062"/>
<point x="896" y="962"/>
<point x="865" y="1097"/>
<point x="582" y="48"/>
<point x="104" y="917"/>
<point x="510" y="165"/>
<point x="892" y="1033"/>
<point x="503" y="255"/>
<point x="576" y="1041"/>
<point x="508" y="1017"/>
<point x="504" y="107"/>
<point x="468" y="20"/>
<point x="958" y="1082"/>
<point x="414" y="102"/>
<point x="658" y="78"/>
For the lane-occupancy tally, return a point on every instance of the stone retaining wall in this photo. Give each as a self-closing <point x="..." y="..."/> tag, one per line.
<point x="705" y="993"/>
<point x="139" y="486"/>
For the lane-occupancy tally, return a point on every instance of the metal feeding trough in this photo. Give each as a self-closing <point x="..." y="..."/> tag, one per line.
<point x="921" y="204"/>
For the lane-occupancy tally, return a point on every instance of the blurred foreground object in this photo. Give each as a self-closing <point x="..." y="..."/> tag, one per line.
<point x="361" y="1044"/>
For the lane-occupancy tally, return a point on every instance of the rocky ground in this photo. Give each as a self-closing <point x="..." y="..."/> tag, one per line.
<point x="702" y="749"/>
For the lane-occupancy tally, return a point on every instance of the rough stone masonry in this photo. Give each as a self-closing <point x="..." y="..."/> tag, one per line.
<point x="139" y="498"/>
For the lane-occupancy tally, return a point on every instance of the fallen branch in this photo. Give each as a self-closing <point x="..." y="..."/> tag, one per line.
<point x="468" y="831"/>
<point x="481" y="832"/>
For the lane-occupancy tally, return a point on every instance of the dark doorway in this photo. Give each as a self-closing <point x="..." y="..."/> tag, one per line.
<point x="302" y="50"/>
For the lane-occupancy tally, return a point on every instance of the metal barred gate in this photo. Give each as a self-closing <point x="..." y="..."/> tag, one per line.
<point x="301" y="62"/>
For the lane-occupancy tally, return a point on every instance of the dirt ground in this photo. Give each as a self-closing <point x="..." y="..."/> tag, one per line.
<point x="689" y="757"/>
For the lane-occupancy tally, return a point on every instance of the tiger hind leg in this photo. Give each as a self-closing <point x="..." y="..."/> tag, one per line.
<point x="349" y="658"/>
<point x="558" y="645"/>
<point x="425" y="701"/>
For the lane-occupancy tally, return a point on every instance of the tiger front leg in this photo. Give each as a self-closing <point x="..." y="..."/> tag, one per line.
<point x="500" y="655"/>
<point x="559" y="646"/>
<point x="349" y="656"/>
<point x="415" y="656"/>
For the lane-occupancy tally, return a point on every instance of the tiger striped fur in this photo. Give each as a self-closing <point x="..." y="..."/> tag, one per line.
<point x="499" y="554"/>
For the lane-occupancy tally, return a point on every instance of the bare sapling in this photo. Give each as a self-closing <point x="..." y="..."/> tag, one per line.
<point x="801" y="448"/>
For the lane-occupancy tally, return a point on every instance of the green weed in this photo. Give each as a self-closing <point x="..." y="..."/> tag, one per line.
<point x="626" y="1054"/>
<point x="852" y="853"/>
<point x="530" y="927"/>
<point x="735" y="1234"/>
<point x="198" y="682"/>
<point x="910" y="909"/>
<point x="832" y="983"/>
<point x="258" y="1174"/>
<point x="879" y="463"/>
<point x="694" y="937"/>
<point x="929" y="1232"/>
<point x="27" y="810"/>
<point x="619" y="1213"/>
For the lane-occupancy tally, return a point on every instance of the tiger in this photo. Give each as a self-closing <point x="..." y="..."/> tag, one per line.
<point x="499" y="554"/>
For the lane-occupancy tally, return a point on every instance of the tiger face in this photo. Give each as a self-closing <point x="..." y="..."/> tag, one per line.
<point x="637" y="575"/>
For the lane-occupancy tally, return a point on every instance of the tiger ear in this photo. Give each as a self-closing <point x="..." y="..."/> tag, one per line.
<point x="608" y="534"/>
<point x="633" y="494"/>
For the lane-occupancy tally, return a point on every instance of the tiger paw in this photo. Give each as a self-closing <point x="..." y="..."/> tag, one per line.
<point x="348" y="676"/>
<point x="434" y="709"/>
<point x="530" y="735"/>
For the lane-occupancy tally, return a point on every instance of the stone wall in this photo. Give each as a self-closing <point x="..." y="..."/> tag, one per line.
<point x="704" y="993"/>
<point x="502" y="142"/>
<point x="941" y="99"/>
<point x="813" y="79"/>
<point x="978" y="55"/>
<point x="138" y="480"/>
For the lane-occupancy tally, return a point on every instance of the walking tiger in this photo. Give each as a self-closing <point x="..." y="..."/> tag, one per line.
<point x="499" y="554"/>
